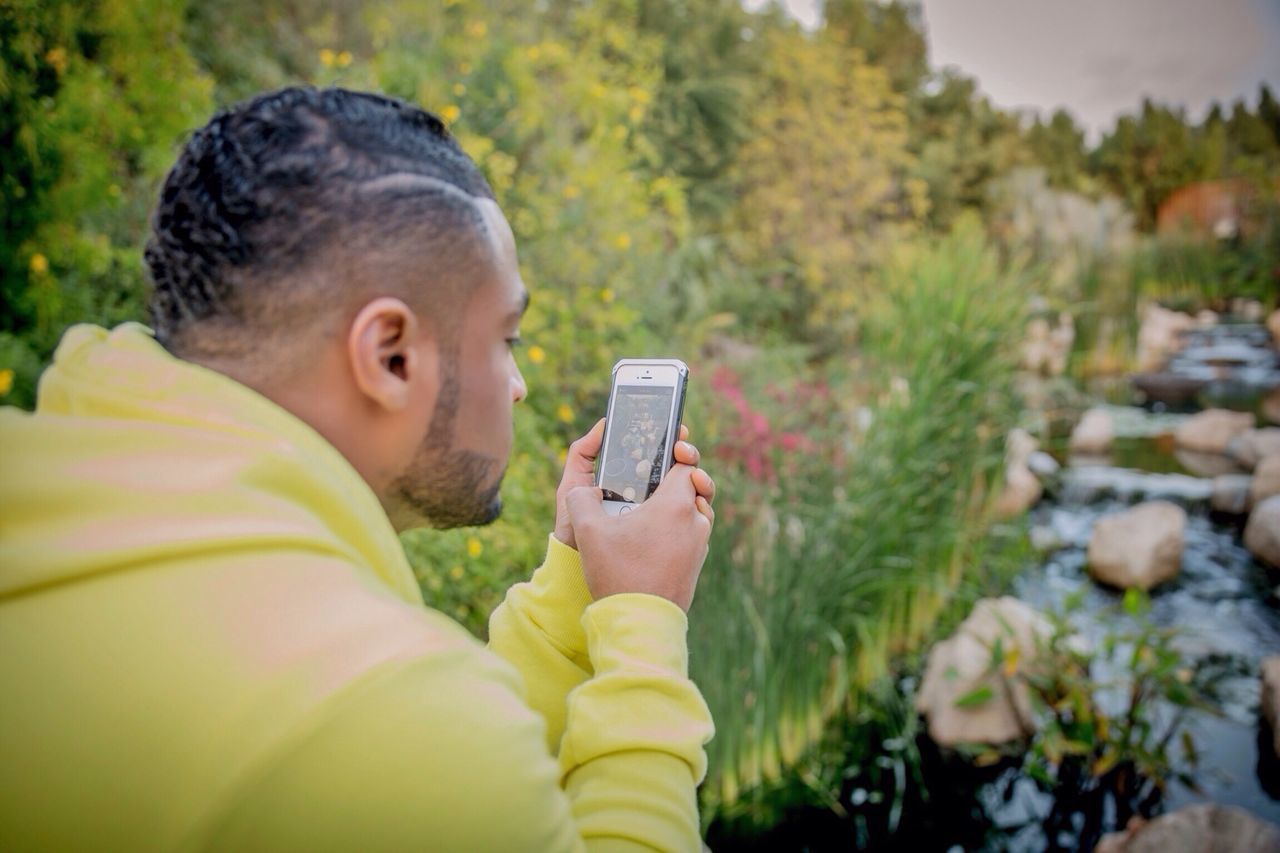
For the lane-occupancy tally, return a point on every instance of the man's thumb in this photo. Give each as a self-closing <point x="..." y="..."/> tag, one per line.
<point x="584" y="503"/>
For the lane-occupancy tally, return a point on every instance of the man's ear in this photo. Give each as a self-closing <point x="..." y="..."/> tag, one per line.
<point x="389" y="353"/>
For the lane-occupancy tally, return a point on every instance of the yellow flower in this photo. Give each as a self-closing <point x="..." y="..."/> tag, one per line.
<point x="6" y="381"/>
<point x="327" y="57"/>
<point x="344" y="59"/>
<point x="620" y="132"/>
<point x="456" y="572"/>
<point x="39" y="264"/>
<point x="450" y="114"/>
<point x="537" y="354"/>
<point x="564" y="455"/>
<point x="597" y="90"/>
<point x="571" y="191"/>
<point x="57" y="58"/>
<point x="477" y="29"/>
<point x="459" y="89"/>
<point x="622" y="241"/>
<point x="474" y="548"/>
<point x="635" y="113"/>
<point x="534" y="52"/>
<point x="638" y="95"/>
<point x="565" y="413"/>
<point x="464" y="67"/>
<point x="606" y="295"/>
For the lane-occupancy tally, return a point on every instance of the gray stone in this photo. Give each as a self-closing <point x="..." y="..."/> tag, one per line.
<point x="961" y="664"/>
<point x="1266" y="480"/>
<point x="1231" y="493"/>
<point x="1094" y="434"/>
<point x="1211" y="431"/>
<point x="1262" y="533"/>
<point x="1200" y="828"/>
<point x="1250" y="447"/>
<point x="1043" y="465"/>
<point x="1138" y="547"/>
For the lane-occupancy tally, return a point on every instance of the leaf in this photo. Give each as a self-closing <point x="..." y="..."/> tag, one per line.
<point x="1011" y="662"/>
<point x="987" y="758"/>
<point x="1136" y="601"/>
<point x="1105" y="762"/>
<point x="975" y="698"/>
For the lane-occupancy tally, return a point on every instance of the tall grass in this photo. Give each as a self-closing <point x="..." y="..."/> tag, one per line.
<point x="825" y="571"/>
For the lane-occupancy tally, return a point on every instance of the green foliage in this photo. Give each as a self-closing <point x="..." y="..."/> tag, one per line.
<point x="1112" y="717"/>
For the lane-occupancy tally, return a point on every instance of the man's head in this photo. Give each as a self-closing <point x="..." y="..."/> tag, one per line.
<point x="339" y="253"/>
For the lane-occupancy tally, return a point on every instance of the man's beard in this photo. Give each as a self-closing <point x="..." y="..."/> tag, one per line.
<point x="444" y="486"/>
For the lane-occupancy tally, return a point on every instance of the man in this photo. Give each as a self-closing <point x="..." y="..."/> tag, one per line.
<point x="209" y="635"/>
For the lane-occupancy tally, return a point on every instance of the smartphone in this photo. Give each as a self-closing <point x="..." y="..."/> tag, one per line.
<point x="642" y="425"/>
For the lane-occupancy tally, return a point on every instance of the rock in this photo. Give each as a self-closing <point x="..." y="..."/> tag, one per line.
<point x="1206" y="318"/>
<point x="1160" y="336"/>
<point x="1138" y="547"/>
<point x="1044" y="466"/>
<point x="1211" y="431"/>
<point x="1262" y="533"/>
<point x="1248" y="448"/>
<point x="1035" y="348"/>
<point x="1249" y="310"/>
<point x="1094" y="433"/>
<point x="1271" y="698"/>
<point x="1021" y="487"/>
<point x="1266" y="480"/>
<point x="1170" y="388"/>
<point x="1045" y="539"/>
<point x="1231" y="493"/>
<point x="1201" y="828"/>
<point x="1207" y="464"/>
<point x="1271" y="406"/>
<point x="961" y="664"/>
<point x="1273" y="326"/>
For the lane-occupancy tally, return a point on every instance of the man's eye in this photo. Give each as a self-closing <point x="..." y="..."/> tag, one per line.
<point x="515" y="342"/>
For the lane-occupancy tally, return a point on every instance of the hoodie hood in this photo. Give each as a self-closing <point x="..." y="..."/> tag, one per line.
<point x="134" y="458"/>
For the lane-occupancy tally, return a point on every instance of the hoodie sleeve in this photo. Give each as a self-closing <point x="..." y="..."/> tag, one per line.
<point x="538" y="629"/>
<point x="443" y="753"/>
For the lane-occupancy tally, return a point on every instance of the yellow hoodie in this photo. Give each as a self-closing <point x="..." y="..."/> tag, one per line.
<point x="210" y="639"/>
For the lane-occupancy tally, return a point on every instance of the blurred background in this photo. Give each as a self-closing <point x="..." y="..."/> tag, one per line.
<point x="979" y="300"/>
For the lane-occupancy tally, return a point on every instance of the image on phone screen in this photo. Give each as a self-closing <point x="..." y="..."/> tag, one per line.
<point x="637" y="442"/>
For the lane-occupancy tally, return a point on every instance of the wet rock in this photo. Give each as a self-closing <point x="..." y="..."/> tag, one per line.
<point x="961" y="664"/>
<point x="1271" y="698"/>
<point x="1201" y="828"/>
<point x="1173" y="389"/>
<point x="1249" y="310"/>
<point x="1045" y="539"/>
<point x="1207" y="464"/>
<point x="1138" y="547"/>
<point x="1160" y="335"/>
<point x="1212" y="430"/>
<point x="1266" y="480"/>
<point x="1273" y="326"/>
<point x="1205" y="318"/>
<point x="1094" y="434"/>
<point x="1231" y="493"/>
<point x="1044" y="466"/>
<point x="1021" y="487"/>
<point x="1262" y="533"/>
<point x="1248" y="448"/>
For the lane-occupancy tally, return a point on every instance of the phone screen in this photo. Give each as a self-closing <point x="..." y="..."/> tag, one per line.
<point x="637" y="442"/>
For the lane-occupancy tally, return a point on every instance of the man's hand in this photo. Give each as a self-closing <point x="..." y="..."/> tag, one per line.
<point x="658" y="548"/>
<point x="579" y="470"/>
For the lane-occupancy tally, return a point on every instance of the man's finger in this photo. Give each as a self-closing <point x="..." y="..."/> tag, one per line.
<point x="677" y="485"/>
<point x="704" y="507"/>
<point x="704" y="484"/>
<point x="585" y="504"/>
<point x="587" y="448"/>
<point x="684" y="432"/>
<point x="686" y="453"/>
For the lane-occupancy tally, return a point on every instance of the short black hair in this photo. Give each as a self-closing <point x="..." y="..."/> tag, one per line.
<point x="261" y="193"/>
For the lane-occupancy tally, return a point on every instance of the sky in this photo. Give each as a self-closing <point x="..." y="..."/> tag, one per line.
<point x="1098" y="58"/>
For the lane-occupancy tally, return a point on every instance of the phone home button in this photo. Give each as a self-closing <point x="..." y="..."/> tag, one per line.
<point x="624" y="510"/>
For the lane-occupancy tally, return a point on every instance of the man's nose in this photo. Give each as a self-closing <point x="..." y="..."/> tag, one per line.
<point x="518" y="389"/>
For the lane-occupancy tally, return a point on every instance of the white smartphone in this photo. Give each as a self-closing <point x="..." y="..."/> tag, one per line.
<point x="642" y="425"/>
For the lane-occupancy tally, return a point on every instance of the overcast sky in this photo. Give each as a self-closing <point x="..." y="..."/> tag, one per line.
<point x="1098" y="58"/>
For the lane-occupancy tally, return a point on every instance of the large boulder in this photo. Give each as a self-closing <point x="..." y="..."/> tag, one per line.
<point x="1161" y="335"/>
<point x="1231" y="493"/>
<point x="961" y="664"/>
<point x="1250" y="447"/>
<point x="1262" y="533"/>
<point x="1266" y="480"/>
<point x="1138" y="547"/>
<point x="1211" y="431"/>
<point x="1022" y="488"/>
<point x="1271" y="698"/>
<point x="1094" y="434"/>
<point x="1271" y="406"/>
<point x="1201" y="828"/>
